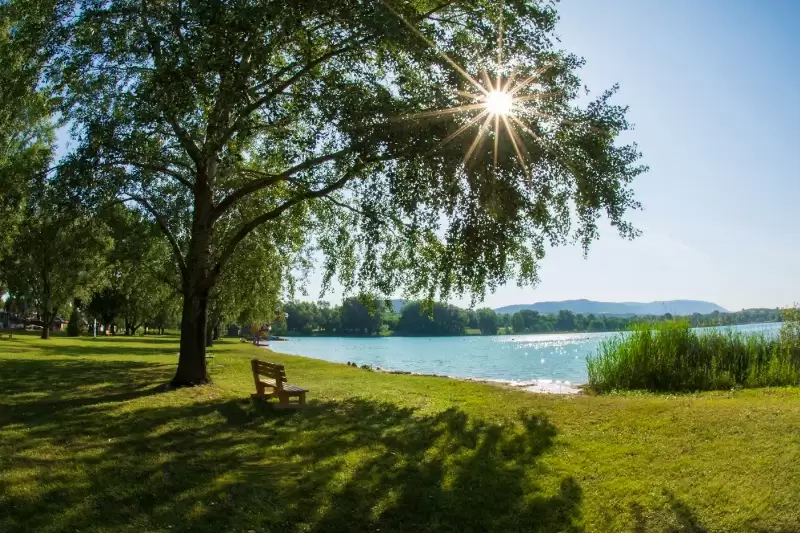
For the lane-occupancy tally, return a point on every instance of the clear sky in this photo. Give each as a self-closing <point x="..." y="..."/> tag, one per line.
<point x="714" y="91"/>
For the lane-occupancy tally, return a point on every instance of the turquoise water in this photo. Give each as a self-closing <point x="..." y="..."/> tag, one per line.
<point x="513" y="358"/>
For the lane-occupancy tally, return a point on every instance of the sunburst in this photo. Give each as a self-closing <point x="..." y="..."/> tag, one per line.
<point x="502" y="105"/>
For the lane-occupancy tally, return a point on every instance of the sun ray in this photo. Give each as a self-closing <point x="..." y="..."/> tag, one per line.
<point x="500" y="47"/>
<point x="510" y="80"/>
<point x="530" y="79"/>
<point x="486" y="80"/>
<point x="513" y="136"/>
<point x="560" y="121"/>
<point x="496" y="137"/>
<point x="536" y="96"/>
<point x="525" y="127"/>
<point x="430" y="43"/>
<point x="443" y="111"/>
<point x="474" y="96"/>
<point x="462" y="129"/>
<point x="478" y="139"/>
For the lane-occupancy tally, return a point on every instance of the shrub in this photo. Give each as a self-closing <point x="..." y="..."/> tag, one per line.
<point x="671" y="356"/>
<point x="74" y="326"/>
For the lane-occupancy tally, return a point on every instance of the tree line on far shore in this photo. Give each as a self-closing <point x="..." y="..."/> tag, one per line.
<point x="370" y="316"/>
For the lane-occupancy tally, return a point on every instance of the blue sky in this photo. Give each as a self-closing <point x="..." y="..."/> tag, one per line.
<point x="713" y="89"/>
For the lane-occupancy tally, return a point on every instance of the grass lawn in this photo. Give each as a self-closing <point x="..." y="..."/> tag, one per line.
<point x="90" y="441"/>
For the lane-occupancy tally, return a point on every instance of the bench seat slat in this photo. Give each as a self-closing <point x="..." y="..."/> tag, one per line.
<point x="286" y="387"/>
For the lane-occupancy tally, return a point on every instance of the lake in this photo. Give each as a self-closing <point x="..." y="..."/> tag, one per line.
<point x="560" y="357"/>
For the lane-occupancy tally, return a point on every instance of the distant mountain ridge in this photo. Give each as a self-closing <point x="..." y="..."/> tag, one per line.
<point x="585" y="307"/>
<point x="397" y="304"/>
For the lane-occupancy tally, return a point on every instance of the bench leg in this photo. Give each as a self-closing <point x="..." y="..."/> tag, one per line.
<point x="283" y="400"/>
<point x="302" y="398"/>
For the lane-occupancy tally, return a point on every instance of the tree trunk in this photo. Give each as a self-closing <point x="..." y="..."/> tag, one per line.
<point x="216" y="330"/>
<point x="46" y="316"/>
<point x="192" y="359"/>
<point x="197" y="286"/>
<point x="209" y="335"/>
<point x="46" y="319"/>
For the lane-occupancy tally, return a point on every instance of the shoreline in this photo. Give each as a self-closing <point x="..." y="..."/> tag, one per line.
<point x="538" y="386"/>
<point x="535" y="386"/>
<point x="293" y="335"/>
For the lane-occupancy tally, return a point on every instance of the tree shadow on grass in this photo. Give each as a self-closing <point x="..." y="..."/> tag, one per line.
<point x="101" y="346"/>
<point x="676" y="517"/>
<point x="77" y="379"/>
<point x="125" y="346"/>
<point x="224" y="465"/>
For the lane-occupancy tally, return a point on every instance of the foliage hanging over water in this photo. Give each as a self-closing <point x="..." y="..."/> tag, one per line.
<point x="673" y="357"/>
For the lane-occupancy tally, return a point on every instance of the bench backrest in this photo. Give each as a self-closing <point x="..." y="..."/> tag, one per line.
<point x="270" y="370"/>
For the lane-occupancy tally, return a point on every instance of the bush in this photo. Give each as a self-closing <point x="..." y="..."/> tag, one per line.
<point x="671" y="356"/>
<point x="74" y="325"/>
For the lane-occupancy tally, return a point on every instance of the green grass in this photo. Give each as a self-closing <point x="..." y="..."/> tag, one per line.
<point x="671" y="356"/>
<point x="90" y="441"/>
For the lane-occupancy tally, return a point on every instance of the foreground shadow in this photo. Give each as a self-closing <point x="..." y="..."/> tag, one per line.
<point x="174" y="463"/>
<point x="77" y="379"/>
<point x="88" y="347"/>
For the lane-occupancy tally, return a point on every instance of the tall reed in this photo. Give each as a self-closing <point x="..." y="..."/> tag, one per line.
<point x="671" y="356"/>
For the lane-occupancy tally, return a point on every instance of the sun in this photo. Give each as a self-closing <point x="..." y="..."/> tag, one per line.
<point x="499" y="103"/>
<point x="507" y="103"/>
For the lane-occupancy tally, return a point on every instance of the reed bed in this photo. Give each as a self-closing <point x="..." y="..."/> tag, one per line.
<point x="671" y="356"/>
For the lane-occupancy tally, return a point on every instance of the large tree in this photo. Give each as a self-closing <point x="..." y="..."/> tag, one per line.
<point x="58" y="254"/>
<point x="440" y="318"/>
<point x="26" y="132"/>
<point x="362" y="316"/>
<point x="487" y="321"/>
<point x="267" y="112"/>
<point x="139" y="266"/>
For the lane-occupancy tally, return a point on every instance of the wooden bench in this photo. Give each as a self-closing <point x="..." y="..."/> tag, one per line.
<point x="274" y="378"/>
<point x="5" y="336"/>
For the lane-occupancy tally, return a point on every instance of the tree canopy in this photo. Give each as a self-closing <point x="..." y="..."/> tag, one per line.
<point x="26" y="131"/>
<point x="442" y="319"/>
<point x="58" y="254"/>
<point x="487" y="321"/>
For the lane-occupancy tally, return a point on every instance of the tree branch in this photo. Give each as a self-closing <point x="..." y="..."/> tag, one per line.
<point x="183" y="137"/>
<point x="436" y="9"/>
<point x="383" y="223"/>
<point x="162" y="223"/>
<point x="156" y="168"/>
<point x="237" y="125"/>
<point x="349" y="207"/>
<point x="270" y="179"/>
<point x="354" y="43"/>
<point x="227" y="252"/>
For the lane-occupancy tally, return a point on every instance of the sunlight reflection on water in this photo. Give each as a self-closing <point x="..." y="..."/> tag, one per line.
<point x="512" y="358"/>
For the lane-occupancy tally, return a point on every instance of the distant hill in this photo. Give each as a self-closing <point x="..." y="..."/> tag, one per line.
<point x="397" y="305"/>
<point x="585" y="307"/>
